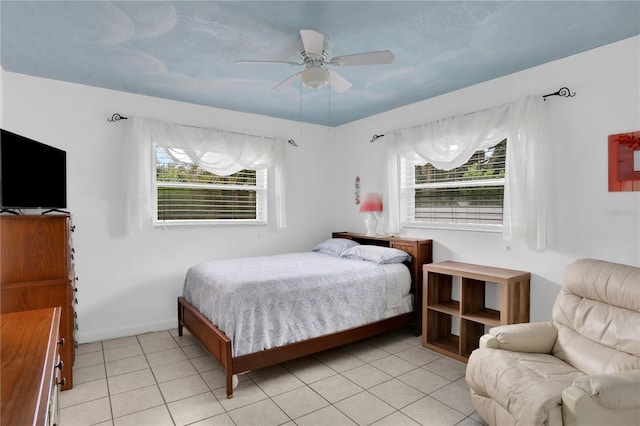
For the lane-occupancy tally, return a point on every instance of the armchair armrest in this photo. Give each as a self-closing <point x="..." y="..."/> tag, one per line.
<point x="611" y="399"/>
<point x="489" y="341"/>
<point x="535" y="337"/>
<point x="617" y="391"/>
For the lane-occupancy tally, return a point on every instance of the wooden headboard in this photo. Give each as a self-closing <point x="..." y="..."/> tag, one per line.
<point x="421" y="252"/>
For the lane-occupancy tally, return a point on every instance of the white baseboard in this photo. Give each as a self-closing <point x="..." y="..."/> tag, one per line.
<point x="132" y="330"/>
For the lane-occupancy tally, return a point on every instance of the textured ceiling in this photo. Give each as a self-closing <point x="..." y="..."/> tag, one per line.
<point x="185" y="50"/>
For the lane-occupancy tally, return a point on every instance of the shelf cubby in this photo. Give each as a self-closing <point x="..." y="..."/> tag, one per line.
<point x="438" y="331"/>
<point x="440" y="308"/>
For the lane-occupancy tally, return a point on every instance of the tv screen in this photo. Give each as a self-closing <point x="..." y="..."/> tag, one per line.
<point x="32" y="174"/>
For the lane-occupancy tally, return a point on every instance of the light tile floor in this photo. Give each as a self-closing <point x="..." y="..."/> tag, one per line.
<point x="163" y="379"/>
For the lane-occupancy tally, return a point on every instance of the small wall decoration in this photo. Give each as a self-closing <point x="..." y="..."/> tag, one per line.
<point x="624" y="162"/>
<point x="357" y="190"/>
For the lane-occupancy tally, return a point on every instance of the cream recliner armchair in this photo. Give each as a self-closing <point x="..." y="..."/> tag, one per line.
<point x="581" y="368"/>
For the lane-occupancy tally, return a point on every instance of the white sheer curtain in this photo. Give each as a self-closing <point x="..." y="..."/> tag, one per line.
<point x="450" y="142"/>
<point x="216" y="151"/>
<point x="527" y="183"/>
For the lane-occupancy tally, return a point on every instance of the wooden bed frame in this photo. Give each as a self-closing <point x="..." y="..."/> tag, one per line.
<point x="219" y="345"/>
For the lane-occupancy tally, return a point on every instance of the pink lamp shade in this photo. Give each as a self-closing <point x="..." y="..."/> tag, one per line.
<point x="371" y="202"/>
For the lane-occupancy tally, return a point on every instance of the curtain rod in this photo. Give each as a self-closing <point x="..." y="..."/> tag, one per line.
<point x="117" y="117"/>
<point x="563" y="91"/>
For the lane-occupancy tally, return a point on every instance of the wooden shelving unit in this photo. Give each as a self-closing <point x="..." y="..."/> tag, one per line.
<point x="440" y="308"/>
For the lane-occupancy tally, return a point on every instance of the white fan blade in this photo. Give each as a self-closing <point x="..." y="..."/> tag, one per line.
<point x="338" y="82"/>
<point x="368" y="58"/>
<point x="268" y="62"/>
<point x="312" y="41"/>
<point x="287" y="81"/>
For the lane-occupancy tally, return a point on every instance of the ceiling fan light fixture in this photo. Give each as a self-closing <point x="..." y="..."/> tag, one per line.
<point x="314" y="77"/>
<point x="314" y="53"/>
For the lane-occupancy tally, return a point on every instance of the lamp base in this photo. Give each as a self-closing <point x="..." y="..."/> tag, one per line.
<point x="371" y="223"/>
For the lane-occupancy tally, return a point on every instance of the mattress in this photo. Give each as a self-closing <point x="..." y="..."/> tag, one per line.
<point x="269" y="301"/>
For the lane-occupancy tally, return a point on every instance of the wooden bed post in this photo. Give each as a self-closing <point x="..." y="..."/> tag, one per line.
<point x="229" y="371"/>
<point x="180" y="316"/>
<point x="212" y="338"/>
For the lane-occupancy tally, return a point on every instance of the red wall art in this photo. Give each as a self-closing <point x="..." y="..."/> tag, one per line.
<point x="624" y="162"/>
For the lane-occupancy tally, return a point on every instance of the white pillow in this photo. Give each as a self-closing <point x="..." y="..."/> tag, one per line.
<point x="335" y="246"/>
<point x="377" y="254"/>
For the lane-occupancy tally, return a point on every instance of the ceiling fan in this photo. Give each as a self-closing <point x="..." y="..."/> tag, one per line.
<point x="314" y="54"/>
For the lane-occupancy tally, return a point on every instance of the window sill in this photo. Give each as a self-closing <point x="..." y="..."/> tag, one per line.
<point x="492" y="229"/>
<point x="213" y="223"/>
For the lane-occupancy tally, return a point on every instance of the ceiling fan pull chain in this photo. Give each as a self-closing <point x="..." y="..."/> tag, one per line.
<point x="330" y="122"/>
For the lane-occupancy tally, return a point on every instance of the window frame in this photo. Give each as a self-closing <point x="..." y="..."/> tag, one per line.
<point x="261" y="190"/>
<point x="408" y="187"/>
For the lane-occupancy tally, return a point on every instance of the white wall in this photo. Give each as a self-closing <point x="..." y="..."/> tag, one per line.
<point x="129" y="285"/>
<point x="588" y="221"/>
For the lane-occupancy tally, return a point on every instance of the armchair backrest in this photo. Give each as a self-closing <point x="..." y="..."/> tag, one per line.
<point x="597" y="314"/>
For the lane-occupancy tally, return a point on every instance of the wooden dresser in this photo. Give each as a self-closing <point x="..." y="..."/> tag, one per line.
<point x="31" y="367"/>
<point x="421" y="252"/>
<point x="36" y="271"/>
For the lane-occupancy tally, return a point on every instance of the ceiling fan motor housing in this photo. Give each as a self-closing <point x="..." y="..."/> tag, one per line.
<point x="313" y="57"/>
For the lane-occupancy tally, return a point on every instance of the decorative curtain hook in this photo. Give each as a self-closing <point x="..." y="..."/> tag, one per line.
<point x="563" y="91"/>
<point x="375" y="137"/>
<point x="116" y="117"/>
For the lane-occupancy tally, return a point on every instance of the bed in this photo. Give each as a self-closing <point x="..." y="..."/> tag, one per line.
<point x="323" y="329"/>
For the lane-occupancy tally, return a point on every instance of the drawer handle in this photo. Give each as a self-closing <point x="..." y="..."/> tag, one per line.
<point x="60" y="365"/>
<point x="61" y="342"/>
<point x="62" y="382"/>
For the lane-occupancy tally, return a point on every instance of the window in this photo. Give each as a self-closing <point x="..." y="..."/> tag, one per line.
<point x="187" y="194"/>
<point x="469" y="196"/>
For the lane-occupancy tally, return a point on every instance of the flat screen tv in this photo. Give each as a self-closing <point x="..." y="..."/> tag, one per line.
<point x="32" y="175"/>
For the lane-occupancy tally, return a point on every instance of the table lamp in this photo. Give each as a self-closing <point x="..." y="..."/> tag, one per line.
<point x="371" y="203"/>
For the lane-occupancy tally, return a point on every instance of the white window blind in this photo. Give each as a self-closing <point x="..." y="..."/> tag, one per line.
<point x="186" y="194"/>
<point x="467" y="196"/>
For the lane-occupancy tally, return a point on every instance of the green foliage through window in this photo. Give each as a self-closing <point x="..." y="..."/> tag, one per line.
<point x="185" y="192"/>
<point x="470" y="194"/>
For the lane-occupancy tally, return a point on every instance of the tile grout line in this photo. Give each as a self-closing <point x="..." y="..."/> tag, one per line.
<point x="156" y="381"/>
<point x="106" y="375"/>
